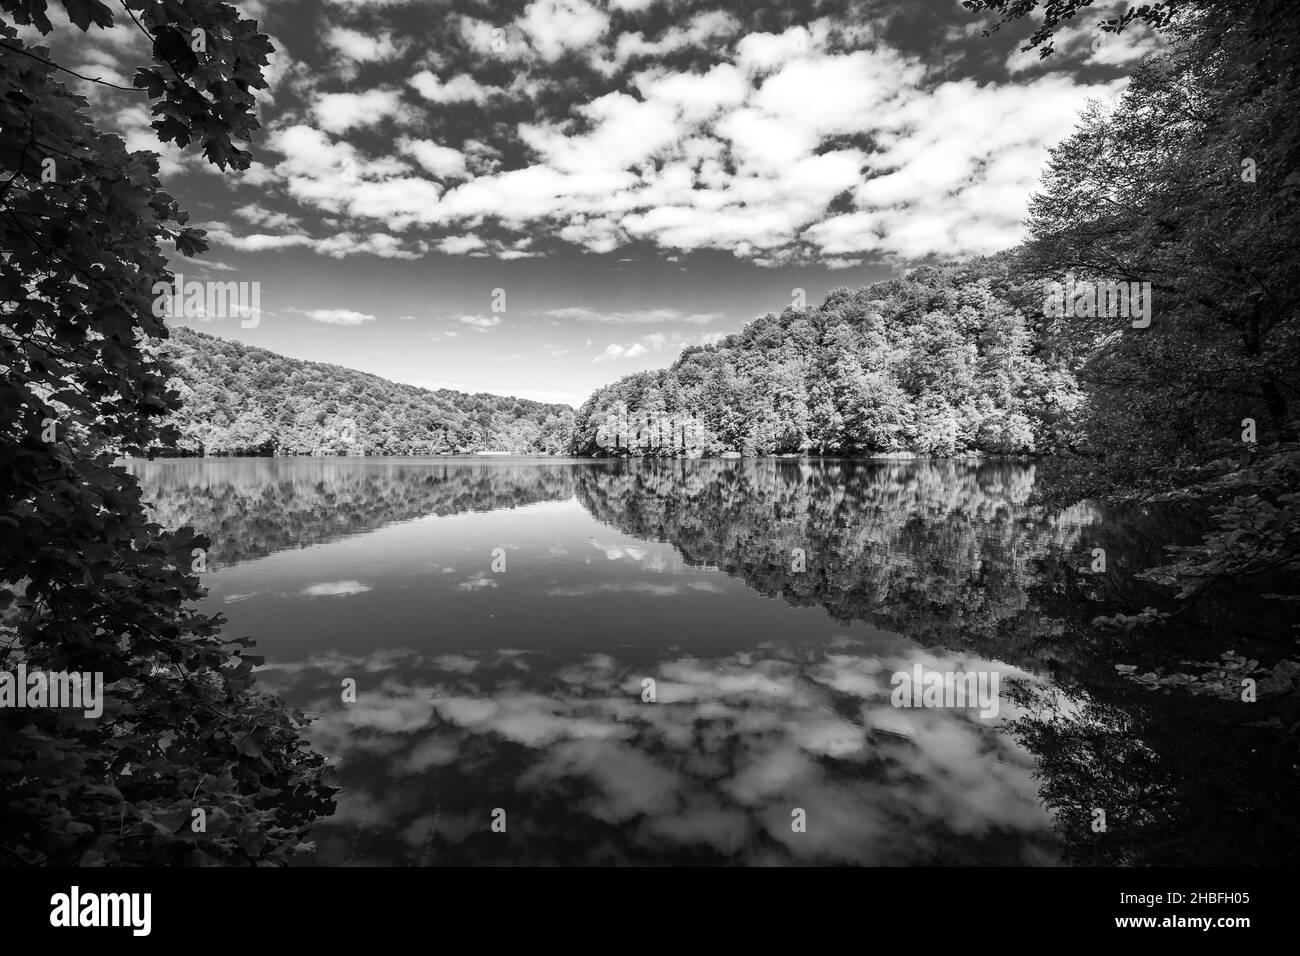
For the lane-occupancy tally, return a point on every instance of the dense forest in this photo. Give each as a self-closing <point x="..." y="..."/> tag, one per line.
<point x="947" y="360"/>
<point x="240" y="400"/>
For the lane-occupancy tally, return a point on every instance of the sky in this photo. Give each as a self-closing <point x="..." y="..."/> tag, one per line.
<point x="537" y="197"/>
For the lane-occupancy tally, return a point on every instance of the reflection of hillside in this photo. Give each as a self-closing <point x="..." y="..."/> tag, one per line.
<point x="941" y="551"/>
<point x="254" y="507"/>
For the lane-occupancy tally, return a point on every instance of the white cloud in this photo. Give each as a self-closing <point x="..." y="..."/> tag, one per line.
<point x="615" y="351"/>
<point x="362" y="47"/>
<point x="376" y="244"/>
<point x="461" y="88"/>
<point x="656" y="342"/>
<point x="459" y="245"/>
<point x="695" y="96"/>
<point x="703" y="30"/>
<point x="335" y="177"/>
<point x="956" y="169"/>
<point x="555" y="27"/>
<point x="762" y="52"/>
<point x="335" y="316"/>
<point x="339" y="112"/>
<point x="493" y="41"/>
<point x="258" y="216"/>
<point x="480" y="323"/>
<point x="625" y="131"/>
<point x="258" y="242"/>
<point x="749" y="156"/>
<point x="442" y="161"/>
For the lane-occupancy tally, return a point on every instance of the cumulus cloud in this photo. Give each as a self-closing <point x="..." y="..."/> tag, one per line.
<point x="361" y="47"/>
<point x="954" y="171"/>
<point x="339" y="112"/>
<point x="461" y="88"/>
<point x="818" y="142"/>
<point x="555" y="27"/>
<point x="734" y="159"/>
<point x="702" y="29"/>
<point x="442" y="161"/>
<point x="458" y="245"/>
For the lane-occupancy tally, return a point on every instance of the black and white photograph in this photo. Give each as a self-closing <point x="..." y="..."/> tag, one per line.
<point x="650" y="434"/>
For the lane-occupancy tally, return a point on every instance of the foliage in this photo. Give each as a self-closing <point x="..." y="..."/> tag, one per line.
<point x="1057" y="13"/>
<point x="88" y="584"/>
<point x="948" y="360"/>
<point x="241" y="400"/>
<point x="1255" y="537"/>
<point x="1222" y="678"/>
<point x="1192" y="183"/>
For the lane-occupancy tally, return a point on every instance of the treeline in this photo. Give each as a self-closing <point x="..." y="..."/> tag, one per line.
<point x="241" y="400"/>
<point x="948" y="360"/>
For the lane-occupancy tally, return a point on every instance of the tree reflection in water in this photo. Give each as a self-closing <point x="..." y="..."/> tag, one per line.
<point x="951" y="564"/>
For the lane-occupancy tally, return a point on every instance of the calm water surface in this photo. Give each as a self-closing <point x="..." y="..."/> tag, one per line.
<point x="520" y="687"/>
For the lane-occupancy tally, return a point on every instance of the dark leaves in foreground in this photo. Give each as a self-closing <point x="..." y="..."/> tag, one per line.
<point x="87" y="584"/>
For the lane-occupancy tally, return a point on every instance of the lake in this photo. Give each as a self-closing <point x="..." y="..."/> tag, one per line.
<point x="502" y="619"/>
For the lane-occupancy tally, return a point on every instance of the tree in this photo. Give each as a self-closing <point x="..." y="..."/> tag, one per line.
<point x="387" y="417"/>
<point x="92" y="585"/>
<point x="1192" y="184"/>
<point x="855" y="374"/>
<point x="1157" y="15"/>
<point x="1156" y="192"/>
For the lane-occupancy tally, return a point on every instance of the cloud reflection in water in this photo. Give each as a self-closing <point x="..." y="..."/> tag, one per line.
<point x="588" y="773"/>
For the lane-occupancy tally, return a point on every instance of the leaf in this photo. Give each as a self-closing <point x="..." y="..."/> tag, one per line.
<point x="85" y="12"/>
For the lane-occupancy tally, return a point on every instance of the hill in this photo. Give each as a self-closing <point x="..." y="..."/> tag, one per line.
<point x="948" y="360"/>
<point x="241" y="400"/>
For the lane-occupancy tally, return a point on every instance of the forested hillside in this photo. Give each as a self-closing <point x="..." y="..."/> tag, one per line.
<point x="947" y="360"/>
<point x="240" y="400"/>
